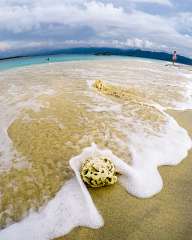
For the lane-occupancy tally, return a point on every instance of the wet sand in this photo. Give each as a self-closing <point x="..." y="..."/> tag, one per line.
<point x="165" y="216"/>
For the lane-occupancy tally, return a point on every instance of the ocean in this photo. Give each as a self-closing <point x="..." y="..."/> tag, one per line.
<point x="52" y="119"/>
<point x="31" y="60"/>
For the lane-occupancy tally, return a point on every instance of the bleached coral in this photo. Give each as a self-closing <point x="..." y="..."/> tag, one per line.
<point x="98" y="172"/>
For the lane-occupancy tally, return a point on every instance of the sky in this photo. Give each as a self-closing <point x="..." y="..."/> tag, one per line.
<point x="160" y="25"/>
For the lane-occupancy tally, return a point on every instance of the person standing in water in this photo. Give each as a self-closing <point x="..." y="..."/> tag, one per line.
<point x="174" y="57"/>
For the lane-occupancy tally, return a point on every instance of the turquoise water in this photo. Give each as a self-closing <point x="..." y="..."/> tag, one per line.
<point x="27" y="61"/>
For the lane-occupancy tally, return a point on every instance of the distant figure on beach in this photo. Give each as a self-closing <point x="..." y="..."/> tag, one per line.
<point x="174" y="57"/>
<point x="48" y="59"/>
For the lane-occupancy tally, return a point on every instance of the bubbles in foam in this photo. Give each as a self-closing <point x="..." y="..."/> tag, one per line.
<point x="142" y="128"/>
<point x="73" y="205"/>
<point x="15" y="97"/>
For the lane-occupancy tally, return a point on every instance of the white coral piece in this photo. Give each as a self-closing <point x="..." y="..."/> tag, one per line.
<point x="98" y="172"/>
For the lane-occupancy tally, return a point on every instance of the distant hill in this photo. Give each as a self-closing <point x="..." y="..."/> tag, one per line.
<point x="114" y="51"/>
<point x="125" y="52"/>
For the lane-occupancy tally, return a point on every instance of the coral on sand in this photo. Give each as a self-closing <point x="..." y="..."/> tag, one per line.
<point x="130" y="94"/>
<point x="144" y="108"/>
<point x="98" y="172"/>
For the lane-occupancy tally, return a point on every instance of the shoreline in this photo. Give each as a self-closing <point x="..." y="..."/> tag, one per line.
<point x="165" y="216"/>
<point x="7" y="64"/>
<point x="120" y="210"/>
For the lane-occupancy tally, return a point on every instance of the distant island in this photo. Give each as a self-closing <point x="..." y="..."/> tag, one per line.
<point x="103" y="54"/>
<point x="109" y="52"/>
<point x="14" y="57"/>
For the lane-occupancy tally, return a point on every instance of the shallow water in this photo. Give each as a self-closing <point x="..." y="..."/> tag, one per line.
<point x="50" y="113"/>
<point x="165" y="216"/>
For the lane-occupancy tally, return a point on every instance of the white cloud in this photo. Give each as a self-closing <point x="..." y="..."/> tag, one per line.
<point x="161" y="2"/>
<point x="183" y="22"/>
<point x="24" y="18"/>
<point x="94" y="14"/>
<point x="108" y="21"/>
<point x="4" y="46"/>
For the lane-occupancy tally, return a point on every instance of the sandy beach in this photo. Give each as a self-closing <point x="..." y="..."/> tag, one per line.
<point x="164" y="216"/>
<point x="96" y="120"/>
<point x="52" y="113"/>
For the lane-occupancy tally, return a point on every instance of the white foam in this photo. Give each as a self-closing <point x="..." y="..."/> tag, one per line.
<point x="11" y="106"/>
<point x="73" y="205"/>
<point x="187" y="93"/>
<point x="186" y="75"/>
<point x="150" y="152"/>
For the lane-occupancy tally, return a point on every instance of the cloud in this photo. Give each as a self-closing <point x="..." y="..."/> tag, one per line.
<point x="74" y="22"/>
<point x="26" y="17"/>
<point x="183" y="22"/>
<point x="99" y="16"/>
<point x="4" y="46"/>
<point x="161" y="2"/>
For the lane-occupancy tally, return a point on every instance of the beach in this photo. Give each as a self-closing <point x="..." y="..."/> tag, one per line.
<point x="55" y="115"/>
<point x="164" y="216"/>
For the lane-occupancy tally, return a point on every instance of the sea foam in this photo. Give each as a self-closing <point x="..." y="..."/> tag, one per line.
<point x="73" y="206"/>
<point x="11" y="107"/>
